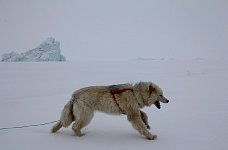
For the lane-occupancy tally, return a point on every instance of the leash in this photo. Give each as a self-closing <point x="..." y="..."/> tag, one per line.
<point x="27" y="126"/>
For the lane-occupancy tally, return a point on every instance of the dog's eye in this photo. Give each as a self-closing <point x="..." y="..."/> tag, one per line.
<point x="161" y="95"/>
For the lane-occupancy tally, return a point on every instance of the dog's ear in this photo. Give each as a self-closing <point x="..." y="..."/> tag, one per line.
<point x="151" y="89"/>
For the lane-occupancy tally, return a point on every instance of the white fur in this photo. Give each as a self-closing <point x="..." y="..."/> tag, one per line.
<point x="86" y="101"/>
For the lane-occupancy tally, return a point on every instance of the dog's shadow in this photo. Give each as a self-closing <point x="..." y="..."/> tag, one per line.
<point x="102" y="135"/>
<point x="107" y="135"/>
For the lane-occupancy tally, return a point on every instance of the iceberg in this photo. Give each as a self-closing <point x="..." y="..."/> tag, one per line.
<point x="49" y="50"/>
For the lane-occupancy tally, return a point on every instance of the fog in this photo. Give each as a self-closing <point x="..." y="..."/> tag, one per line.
<point x="118" y="30"/>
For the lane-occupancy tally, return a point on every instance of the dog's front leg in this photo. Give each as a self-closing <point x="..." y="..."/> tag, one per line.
<point x="144" y="119"/>
<point x="138" y="124"/>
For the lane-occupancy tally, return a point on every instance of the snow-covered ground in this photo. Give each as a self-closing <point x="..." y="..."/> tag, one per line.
<point x="195" y="118"/>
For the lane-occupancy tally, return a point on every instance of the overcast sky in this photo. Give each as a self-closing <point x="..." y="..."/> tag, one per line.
<point x="118" y="29"/>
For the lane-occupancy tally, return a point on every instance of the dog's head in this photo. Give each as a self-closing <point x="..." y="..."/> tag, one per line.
<point x="152" y="94"/>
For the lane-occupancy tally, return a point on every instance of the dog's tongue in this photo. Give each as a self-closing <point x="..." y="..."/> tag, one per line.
<point x="157" y="104"/>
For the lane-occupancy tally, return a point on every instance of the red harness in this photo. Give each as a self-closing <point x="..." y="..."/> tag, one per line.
<point x="116" y="91"/>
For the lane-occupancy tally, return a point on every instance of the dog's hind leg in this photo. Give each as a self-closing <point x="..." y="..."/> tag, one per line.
<point x="83" y="117"/>
<point x="144" y="119"/>
<point x="138" y="124"/>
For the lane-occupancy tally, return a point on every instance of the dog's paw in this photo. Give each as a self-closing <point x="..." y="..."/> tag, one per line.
<point x="79" y="134"/>
<point x="153" y="137"/>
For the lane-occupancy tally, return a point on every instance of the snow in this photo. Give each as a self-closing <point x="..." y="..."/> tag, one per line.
<point x="49" y="50"/>
<point x="195" y="118"/>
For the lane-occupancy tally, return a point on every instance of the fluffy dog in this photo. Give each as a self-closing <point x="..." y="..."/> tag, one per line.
<point x="120" y="99"/>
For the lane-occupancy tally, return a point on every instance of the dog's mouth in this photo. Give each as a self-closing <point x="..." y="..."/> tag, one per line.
<point x="157" y="104"/>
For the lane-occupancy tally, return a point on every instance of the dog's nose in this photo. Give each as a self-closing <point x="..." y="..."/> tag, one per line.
<point x="167" y="101"/>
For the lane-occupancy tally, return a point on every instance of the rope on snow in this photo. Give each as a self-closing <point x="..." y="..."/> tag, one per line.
<point x="27" y="126"/>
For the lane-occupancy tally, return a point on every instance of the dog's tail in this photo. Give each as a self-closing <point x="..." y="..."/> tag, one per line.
<point x="66" y="118"/>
